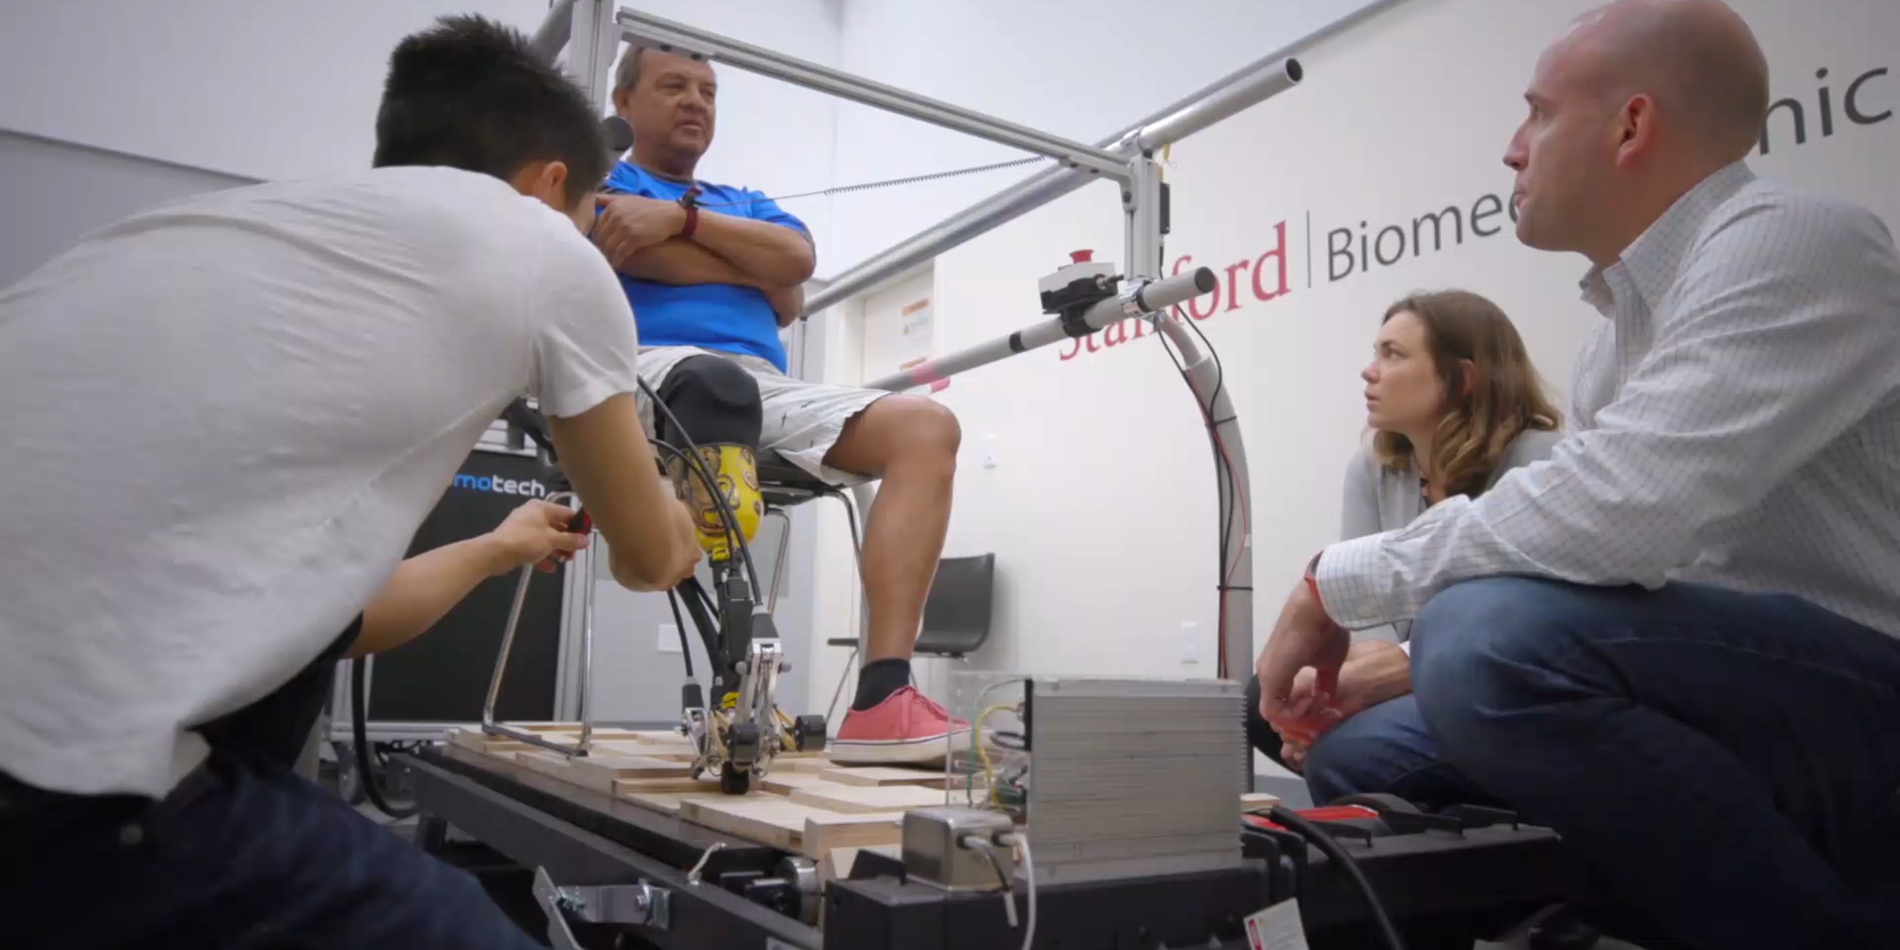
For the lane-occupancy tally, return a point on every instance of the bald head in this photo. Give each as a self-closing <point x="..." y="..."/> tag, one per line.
<point x="1697" y="59"/>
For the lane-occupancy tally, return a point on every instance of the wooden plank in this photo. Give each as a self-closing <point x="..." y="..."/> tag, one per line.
<point x="678" y="783"/>
<point x="836" y="864"/>
<point x="627" y="747"/>
<point x="665" y="802"/>
<point x="862" y="800"/>
<point x="876" y="775"/>
<point x="825" y="833"/>
<point x="782" y="783"/>
<point x="607" y="768"/>
<point x="504" y="764"/>
<point x="813" y="764"/>
<point x="475" y="740"/>
<point x="1258" y="801"/>
<point x="554" y="765"/>
<point x="767" y="819"/>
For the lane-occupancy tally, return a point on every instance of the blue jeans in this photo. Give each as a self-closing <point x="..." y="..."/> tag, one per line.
<point x="1728" y="763"/>
<point x="241" y="856"/>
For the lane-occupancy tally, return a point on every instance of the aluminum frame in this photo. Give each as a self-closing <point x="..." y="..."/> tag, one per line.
<point x="1126" y="158"/>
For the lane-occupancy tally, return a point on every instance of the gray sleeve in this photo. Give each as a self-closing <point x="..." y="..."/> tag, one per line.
<point x="1531" y="445"/>
<point x="1359" y="516"/>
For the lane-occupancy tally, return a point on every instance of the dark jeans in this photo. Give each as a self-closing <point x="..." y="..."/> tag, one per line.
<point x="238" y="856"/>
<point x="1728" y="763"/>
<point x="242" y="854"/>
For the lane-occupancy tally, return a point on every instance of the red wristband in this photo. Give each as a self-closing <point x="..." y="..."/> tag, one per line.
<point x="690" y="201"/>
<point x="1312" y="580"/>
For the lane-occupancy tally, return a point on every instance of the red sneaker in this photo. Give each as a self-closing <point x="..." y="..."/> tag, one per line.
<point x="907" y="727"/>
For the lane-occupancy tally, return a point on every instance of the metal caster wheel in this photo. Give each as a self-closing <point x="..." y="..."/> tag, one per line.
<point x="734" y="782"/>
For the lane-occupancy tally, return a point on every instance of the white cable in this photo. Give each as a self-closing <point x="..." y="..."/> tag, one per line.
<point x="974" y="842"/>
<point x="1021" y="842"/>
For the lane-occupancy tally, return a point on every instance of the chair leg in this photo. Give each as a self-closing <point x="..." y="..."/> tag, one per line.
<point x="831" y="711"/>
<point x="778" y="563"/>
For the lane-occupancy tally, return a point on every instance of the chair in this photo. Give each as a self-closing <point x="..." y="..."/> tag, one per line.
<point x="784" y="486"/>
<point x="957" y="615"/>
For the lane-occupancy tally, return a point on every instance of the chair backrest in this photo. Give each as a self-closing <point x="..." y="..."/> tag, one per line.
<point x="957" y="614"/>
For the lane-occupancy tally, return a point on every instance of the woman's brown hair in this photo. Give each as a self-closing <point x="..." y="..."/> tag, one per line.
<point x="1505" y="396"/>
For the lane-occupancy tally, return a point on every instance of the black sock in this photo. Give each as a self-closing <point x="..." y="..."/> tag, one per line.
<point x="878" y="680"/>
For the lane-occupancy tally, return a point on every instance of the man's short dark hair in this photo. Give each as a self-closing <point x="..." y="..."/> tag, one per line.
<point x="470" y="93"/>
<point x="627" y="74"/>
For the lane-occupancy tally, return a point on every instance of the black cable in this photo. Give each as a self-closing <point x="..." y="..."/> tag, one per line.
<point x="1287" y="818"/>
<point x="712" y="485"/>
<point x="360" y="732"/>
<point x="686" y="651"/>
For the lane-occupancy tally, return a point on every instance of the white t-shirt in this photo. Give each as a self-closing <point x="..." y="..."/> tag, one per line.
<point x="224" y="420"/>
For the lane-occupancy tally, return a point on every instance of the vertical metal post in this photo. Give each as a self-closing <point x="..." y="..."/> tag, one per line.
<point x="507" y="644"/>
<point x="587" y="652"/>
<point x="591" y="43"/>
<point x="1141" y="199"/>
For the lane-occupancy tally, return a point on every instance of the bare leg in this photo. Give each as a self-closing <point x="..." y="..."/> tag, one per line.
<point x="911" y="444"/>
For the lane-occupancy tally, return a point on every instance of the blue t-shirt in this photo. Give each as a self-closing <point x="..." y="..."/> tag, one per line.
<point x="721" y="317"/>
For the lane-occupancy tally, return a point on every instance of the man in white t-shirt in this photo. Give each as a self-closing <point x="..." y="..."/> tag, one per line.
<point x="226" y="417"/>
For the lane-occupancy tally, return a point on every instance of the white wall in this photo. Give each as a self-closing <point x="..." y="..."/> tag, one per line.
<point x="275" y="89"/>
<point x="1077" y="69"/>
<point x="1101" y="509"/>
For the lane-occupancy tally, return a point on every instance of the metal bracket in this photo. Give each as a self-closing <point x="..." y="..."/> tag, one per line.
<point x="617" y="905"/>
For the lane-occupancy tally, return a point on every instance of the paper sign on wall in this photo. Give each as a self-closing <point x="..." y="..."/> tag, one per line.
<point x="916" y="338"/>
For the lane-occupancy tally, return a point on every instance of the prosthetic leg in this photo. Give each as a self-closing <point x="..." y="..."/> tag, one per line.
<point x="707" y="418"/>
<point x="710" y="408"/>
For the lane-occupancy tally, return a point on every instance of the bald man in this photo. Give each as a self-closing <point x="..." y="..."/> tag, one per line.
<point x="1677" y="640"/>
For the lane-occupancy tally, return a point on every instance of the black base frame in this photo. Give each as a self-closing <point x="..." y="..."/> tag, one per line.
<point x="1446" y="885"/>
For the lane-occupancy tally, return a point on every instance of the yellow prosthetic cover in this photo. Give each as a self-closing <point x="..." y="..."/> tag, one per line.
<point x="736" y="470"/>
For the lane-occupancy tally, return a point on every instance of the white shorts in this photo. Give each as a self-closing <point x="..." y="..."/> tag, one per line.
<point x="802" y="419"/>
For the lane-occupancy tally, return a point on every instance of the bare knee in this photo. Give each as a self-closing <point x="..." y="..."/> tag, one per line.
<point x="912" y="429"/>
<point x="931" y="427"/>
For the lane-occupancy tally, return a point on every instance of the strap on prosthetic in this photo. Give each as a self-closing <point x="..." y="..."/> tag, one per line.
<point x="717" y="403"/>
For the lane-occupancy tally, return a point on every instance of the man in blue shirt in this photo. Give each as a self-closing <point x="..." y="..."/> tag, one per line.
<point x="717" y="282"/>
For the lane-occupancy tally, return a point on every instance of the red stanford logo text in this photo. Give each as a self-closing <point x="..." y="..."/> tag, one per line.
<point x="1249" y="280"/>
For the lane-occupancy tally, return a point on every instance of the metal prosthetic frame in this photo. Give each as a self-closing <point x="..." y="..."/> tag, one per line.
<point x="709" y="403"/>
<point x="737" y="740"/>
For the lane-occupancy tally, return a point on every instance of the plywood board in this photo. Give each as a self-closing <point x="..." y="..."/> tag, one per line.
<point x="1258" y="801"/>
<point x="813" y="764"/>
<point x="608" y="768"/>
<point x="475" y="740"/>
<point x="860" y="799"/>
<point x="781" y="783"/>
<point x="776" y="821"/>
<point x="874" y="775"/>
<point x="678" y="783"/>
<point x="825" y="833"/>
<point x="556" y="765"/>
<point x="665" y="802"/>
<point x="768" y="819"/>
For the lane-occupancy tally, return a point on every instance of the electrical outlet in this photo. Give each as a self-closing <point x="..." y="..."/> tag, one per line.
<point x="1190" y="643"/>
<point x="669" y="638"/>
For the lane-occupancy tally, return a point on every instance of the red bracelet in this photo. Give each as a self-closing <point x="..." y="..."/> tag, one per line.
<point x="690" y="201"/>
<point x="1312" y="580"/>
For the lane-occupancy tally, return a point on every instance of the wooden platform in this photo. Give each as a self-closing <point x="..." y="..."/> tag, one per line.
<point x="806" y="803"/>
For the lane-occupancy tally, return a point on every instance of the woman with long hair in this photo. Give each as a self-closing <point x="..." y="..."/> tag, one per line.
<point x="1452" y="403"/>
